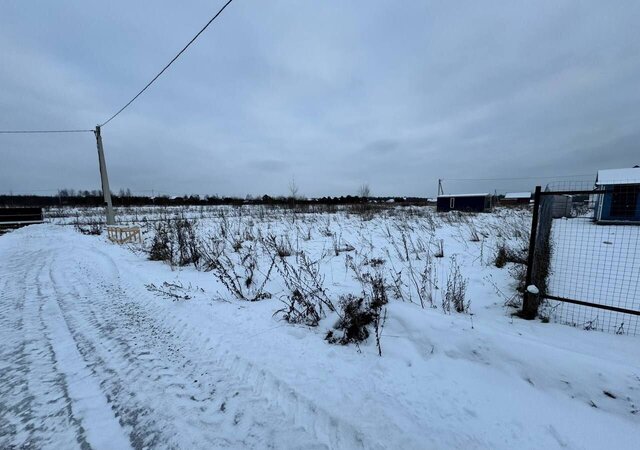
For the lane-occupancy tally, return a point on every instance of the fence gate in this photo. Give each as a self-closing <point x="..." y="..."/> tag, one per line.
<point x="584" y="258"/>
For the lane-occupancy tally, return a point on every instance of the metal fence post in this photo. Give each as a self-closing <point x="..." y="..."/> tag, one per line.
<point x="529" y="303"/>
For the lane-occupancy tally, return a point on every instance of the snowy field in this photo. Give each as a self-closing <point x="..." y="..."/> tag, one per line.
<point x="102" y="348"/>
<point x="136" y="214"/>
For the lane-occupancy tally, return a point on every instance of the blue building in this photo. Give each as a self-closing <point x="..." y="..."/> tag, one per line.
<point x="618" y="200"/>
<point x="464" y="202"/>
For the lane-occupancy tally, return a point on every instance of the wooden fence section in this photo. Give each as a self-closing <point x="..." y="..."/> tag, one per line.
<point x="124" y="235"/>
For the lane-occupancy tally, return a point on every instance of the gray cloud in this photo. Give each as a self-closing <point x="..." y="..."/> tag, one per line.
<point x="380" y="147"/>
<point x="333" y="93"/>
<point x="267" y="165"/>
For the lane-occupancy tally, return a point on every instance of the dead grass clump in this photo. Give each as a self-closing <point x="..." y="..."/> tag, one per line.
<point x="359" y="313"/>
<point x="239" y="272"/>
<point x="307" y="300"/>
<point x="456" y="290"/>
<point x="161" y="248"/>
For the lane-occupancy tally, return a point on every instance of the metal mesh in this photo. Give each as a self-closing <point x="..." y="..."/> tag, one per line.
<point x="589" y="318"/>
<point x="595" y="258"/>
<point x="543" y="247"/>
<point x="570" y="185"/>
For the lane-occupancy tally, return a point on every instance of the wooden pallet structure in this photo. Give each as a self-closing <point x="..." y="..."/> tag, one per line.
<point x="124" y="235"/>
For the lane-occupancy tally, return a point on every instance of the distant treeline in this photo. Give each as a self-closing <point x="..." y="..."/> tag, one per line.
<point x="94" y="198"/>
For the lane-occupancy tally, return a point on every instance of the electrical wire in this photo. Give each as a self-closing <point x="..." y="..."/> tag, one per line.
<point x="136" y="96"/>
<point x="43" y="131"/>
<point x="518" y="178"/>
<point x="167" y="66"/>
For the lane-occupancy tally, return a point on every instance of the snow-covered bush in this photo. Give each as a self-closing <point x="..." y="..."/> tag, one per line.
<point x="307" y="300"/>
<point x="358" y="313"/>
<point x="188" y="245"/>
<point x="501" y="258"/>
<point x="93" y="229"/>
<point x="280" y="246"/>
<point x="238" y="271"/>
<point x="176" y="242"/>
<point x="161" y="247"/>
<point x="456" y="291"/>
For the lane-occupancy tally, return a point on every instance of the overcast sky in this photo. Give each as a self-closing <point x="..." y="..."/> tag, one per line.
<point x="335" y="93"/>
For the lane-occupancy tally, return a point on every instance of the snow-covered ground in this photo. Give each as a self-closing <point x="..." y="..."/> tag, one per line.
<point x="141" y="214"/>
<point x="91" y="357"/>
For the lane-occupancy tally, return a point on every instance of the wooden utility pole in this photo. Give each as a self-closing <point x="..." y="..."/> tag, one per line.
<point x="531" y="299"/>
<point x="440" y="190"/>
<point x="111" y="220"/>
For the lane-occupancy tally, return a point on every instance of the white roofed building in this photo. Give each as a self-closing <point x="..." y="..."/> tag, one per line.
<point x="516" y="198"/>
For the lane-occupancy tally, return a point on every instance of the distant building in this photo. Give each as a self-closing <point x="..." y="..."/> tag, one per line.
<point x="464" y="202"/>
<point x="561" y="206"/>
<point x="516" y="198"/>
<point x="620" y="201"/>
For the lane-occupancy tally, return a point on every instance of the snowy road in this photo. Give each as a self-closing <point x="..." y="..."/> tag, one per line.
<point x="83" y="366"/>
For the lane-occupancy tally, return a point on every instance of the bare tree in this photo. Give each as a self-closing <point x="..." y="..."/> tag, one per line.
<point x="293" y="189"/>
<point x="364" y="191"/>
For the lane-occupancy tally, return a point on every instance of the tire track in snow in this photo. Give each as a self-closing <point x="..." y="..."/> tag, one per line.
<point x="38" y="405"/>
<point x="328" y="430"/>
<point x="112" y="359"/>
<point x="164" y="392"/>
<point x="88" y="407"/>
<point x="167" y="384"/>
<point x="232" y="403"/>
<point x="15" y="401"/>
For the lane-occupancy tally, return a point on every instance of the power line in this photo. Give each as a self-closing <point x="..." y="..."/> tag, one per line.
<point x="518" y="178"/>
<point x="43" y="131"/>
<point x="167" y="66"/>
<point x="136" y="96"/>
